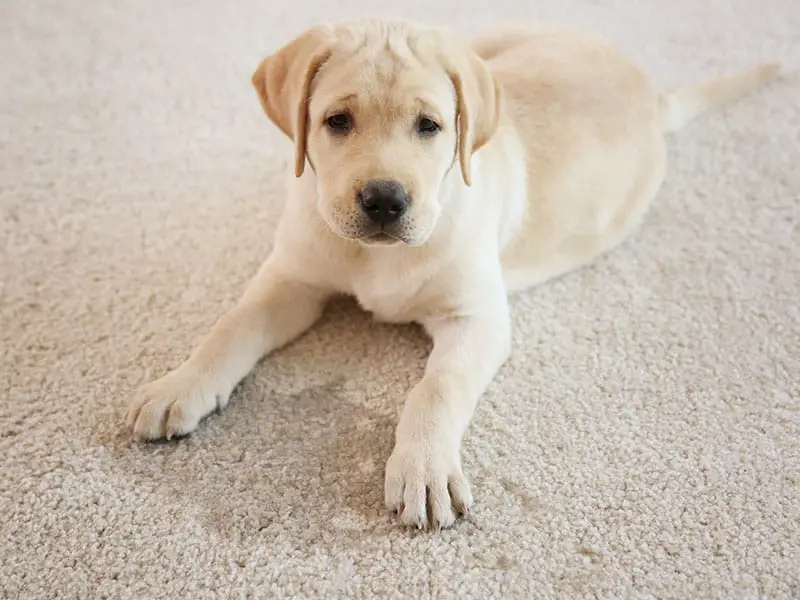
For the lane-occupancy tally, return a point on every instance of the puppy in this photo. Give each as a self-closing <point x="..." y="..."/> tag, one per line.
<point x="430" y="178"/>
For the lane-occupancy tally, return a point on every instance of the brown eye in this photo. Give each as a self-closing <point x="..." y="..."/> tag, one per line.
<point x="427" y="127"/>
<point x="341" y="123"/>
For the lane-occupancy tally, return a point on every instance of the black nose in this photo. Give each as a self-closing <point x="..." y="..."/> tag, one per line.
<point x="384" y="201"/>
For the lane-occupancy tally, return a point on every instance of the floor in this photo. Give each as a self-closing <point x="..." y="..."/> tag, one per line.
<point x="642" y="442"/>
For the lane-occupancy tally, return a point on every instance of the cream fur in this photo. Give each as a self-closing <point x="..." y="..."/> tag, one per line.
<point x="551" y="151"/>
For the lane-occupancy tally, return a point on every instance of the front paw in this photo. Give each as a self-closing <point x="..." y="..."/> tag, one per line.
<point x="172" y="406"/>
<point x="425" y="485"/>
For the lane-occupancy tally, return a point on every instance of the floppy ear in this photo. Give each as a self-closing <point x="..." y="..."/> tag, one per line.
<point x="478" y="101"/>
<point x="283" y="82"/>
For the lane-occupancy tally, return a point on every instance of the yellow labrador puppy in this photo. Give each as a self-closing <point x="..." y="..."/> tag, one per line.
<point x="431" y="177"/>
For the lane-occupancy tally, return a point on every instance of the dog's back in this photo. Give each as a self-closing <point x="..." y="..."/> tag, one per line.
<point x="592" y="126"/>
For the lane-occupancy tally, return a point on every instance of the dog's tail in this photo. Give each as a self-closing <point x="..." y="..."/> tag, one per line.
<point x="683" y="105"/>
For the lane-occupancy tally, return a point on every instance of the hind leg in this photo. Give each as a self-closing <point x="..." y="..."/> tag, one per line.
<point x="534" y="265"/>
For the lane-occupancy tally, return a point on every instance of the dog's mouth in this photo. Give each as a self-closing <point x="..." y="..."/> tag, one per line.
<point x="357" y="229"/>
<point x="380" y="238"/>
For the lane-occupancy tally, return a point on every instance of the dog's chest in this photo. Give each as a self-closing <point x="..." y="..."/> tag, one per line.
<point x="389" y="299"/>
<point x="395" y="291"/>
<point x="396" y="285"/>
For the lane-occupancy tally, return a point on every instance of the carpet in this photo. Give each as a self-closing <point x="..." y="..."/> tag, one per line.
<point x="642" y="442"/>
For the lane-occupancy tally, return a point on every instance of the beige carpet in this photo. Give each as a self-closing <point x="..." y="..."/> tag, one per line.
<point x="643" y="442"/>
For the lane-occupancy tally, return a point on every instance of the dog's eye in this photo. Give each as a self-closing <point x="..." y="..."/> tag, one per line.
<point x="427" y="127"/>
<point x="341" y="123"/>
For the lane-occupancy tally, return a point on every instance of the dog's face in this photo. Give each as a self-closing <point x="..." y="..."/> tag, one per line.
<point x="381" y="137"/>
<point x="381" y="112"/>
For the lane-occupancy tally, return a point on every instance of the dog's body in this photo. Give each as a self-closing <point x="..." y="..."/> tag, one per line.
<point x="496" y="168"/>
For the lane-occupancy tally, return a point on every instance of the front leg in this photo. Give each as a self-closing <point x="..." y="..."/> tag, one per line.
<point x="275" y="309"/>
<point x="424" y="480"/>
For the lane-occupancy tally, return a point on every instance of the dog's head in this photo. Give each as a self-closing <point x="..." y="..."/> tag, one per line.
<point x="381" y="111"/>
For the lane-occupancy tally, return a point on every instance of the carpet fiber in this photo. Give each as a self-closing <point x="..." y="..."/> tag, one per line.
<point x="643" y="441"/>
